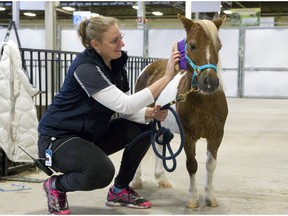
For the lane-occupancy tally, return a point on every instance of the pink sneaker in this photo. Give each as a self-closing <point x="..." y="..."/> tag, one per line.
<point x="57" y="200"/>
<point x="127" y="197"/>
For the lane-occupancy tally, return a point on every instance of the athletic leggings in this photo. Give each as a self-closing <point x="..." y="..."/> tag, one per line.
<point x="86" y="166"/>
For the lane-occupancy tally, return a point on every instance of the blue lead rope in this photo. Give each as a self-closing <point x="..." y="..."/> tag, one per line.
<point x="167" y="136"/>
<point x="165" y="142"/>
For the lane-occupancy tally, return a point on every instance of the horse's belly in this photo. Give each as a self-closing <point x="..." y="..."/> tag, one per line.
<point x="167" y="95"/>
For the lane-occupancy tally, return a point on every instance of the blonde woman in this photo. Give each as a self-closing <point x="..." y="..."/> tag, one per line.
<point x="77" y="127"/>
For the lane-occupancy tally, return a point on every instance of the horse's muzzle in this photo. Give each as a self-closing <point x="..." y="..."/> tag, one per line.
<point x="208" y="82"/>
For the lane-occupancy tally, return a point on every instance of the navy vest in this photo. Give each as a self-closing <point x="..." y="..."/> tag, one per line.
<point x="73" y="112"/>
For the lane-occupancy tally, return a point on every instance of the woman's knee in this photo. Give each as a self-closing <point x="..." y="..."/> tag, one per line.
<point x="100" y="177"/>
<point x="106" y="177"/>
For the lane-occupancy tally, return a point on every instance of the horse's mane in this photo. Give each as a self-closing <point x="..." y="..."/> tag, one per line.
<point x="212" y="32"/>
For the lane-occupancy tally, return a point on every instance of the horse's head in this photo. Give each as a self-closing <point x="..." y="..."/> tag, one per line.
<point x="202" y="46"/>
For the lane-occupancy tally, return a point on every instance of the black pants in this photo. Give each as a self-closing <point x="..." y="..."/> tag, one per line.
<point x="86" y="166"/>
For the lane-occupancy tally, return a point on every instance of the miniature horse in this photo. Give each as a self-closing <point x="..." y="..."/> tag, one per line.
<point x="203" y="113"/>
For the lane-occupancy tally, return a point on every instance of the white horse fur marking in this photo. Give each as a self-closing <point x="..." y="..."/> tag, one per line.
<point x="208" y="53"/>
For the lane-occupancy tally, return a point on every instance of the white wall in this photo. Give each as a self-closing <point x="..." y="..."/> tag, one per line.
<point x="228" y="59"/>
<point x="133" y="40"/>
<point x="161" y="41"/>
<point x="267" y="51"/>
<point x="29" y="38"/>
<point x="264" y="48"/>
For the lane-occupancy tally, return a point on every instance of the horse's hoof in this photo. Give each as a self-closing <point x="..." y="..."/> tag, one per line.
<point x="164" y="184"/>
<point x="136" y="185"/>
<point x="192" y="204"/>
<point x="211" y="203"/>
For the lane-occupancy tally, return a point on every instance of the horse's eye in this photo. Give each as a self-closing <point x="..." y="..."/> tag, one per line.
<point x="192" y="47"/>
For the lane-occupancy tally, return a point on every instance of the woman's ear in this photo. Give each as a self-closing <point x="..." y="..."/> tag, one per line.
<point x="94" y="44"/>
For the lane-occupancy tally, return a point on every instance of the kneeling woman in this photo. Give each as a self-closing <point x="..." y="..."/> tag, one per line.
<point x="79" y="130"/>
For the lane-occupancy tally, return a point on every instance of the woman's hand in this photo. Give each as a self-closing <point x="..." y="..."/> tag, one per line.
<point x="161" y="83"/>
<point x="156" y="113"/>
<point x="173" y="60"/>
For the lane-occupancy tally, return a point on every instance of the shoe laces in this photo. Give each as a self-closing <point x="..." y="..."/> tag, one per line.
<point x="58" y="199"/>
<point x="62" y="199"/>
<point x="132" y="194"/>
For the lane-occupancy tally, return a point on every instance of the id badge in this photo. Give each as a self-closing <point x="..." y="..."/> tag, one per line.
<point x="48" y="157"/>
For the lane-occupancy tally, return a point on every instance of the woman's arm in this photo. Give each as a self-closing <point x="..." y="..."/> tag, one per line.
<point x="118" y="101"/>
<point x="157" y="87"/>
<point x="147" y="114"/>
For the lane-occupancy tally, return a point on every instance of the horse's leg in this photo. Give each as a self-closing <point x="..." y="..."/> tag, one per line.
<point x="159" y="170"/>
<point x="137" y="181"/>
<point x="211" y="162"/>
<point x="192" y="166"/>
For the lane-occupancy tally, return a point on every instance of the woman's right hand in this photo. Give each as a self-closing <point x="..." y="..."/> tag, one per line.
<point x="173" y="60"/>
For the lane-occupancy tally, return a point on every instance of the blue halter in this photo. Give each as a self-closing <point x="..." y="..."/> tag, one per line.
<point x="197" y="69"/>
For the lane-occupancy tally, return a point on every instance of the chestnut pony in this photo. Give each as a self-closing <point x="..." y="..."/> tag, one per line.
<point x="203" y="113"/>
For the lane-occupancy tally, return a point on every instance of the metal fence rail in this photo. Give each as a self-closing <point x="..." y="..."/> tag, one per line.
<point x="46" y="70"/>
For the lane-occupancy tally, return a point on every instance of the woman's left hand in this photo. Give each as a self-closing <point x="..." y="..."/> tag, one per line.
<point x="159" y="115"/>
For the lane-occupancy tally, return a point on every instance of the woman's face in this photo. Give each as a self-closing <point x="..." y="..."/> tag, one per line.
<point x="111" y="45"/>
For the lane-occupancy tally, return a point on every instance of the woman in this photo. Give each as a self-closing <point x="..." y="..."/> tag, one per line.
<point x="79" y="131"/>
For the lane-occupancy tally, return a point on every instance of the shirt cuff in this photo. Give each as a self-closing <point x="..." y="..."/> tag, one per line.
<point x="138" y="116"/>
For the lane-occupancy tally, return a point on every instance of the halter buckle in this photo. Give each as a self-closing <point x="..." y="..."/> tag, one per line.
<point x="194" y="88"/>
<point x="197" y="70"/>
<point x="181" y="98"/>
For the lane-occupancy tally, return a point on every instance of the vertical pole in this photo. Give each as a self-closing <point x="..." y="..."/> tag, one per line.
<point x="141" y="24"/>
<point x="140" y="14"/>
<point x="241" y="57"/>
<point x="188" y="9"/>
<point x="146" y="42"/>
<point x="15" y="12"/>
<point x="50" y="25"/>
<point x="50" y="43"/>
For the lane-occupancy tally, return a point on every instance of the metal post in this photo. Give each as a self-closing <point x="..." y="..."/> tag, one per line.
<point x="15" y="12"/>
<point x="188" y="9"/>
<point x="140" y="14"/>
<point x="50" y="25"/>
<point x="241" y="51"/>
<point x="141" y="20"/>
<point x="50" y="32"/>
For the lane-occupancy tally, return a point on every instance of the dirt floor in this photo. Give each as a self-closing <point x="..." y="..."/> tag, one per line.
<point x="251" y="175"/>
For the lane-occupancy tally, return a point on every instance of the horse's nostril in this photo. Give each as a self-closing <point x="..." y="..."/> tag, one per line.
<point x="206" y="81"/>
<point x="210" y="83"/>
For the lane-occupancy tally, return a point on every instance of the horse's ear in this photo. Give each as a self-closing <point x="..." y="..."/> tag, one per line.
<point x="218" y="22"/>
<point x="187" y="23"/>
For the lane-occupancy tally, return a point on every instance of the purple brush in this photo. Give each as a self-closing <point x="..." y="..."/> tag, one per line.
<point x="181" y="49"/>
